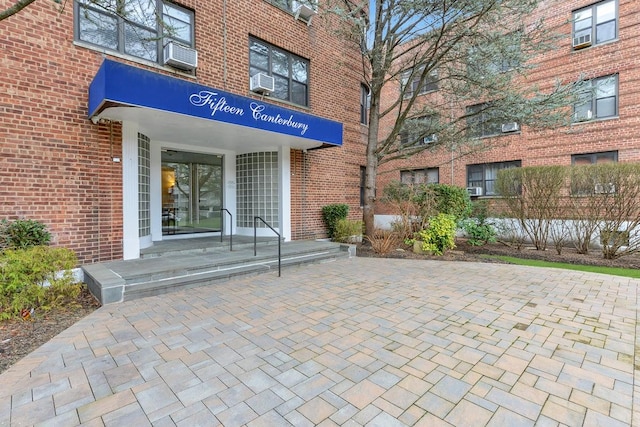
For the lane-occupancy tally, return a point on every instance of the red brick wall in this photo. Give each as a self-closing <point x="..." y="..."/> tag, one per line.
<point x="57" y="166"/>
<point x="556" y="147"/>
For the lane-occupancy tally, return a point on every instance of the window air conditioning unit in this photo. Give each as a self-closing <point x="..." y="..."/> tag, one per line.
<point x="582" y="41"/>
<point x="429" y="139"/>
<point x="587" y="115"/>
<point x="262" y="83"/>
<point x="474" y="191"/>
<point x="510" y="127"/>
<point x="304" y="10"/>
<point x="604" y="188"/>
<point x="180" y="56"/>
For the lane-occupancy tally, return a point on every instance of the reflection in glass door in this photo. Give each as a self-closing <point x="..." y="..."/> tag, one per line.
<point x="191" y="192"/>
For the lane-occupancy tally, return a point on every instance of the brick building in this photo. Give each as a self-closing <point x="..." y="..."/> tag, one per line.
<point x="116" y="135"/>
<point x="599" y="40"/>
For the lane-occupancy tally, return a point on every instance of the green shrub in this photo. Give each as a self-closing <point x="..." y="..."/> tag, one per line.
<point x="440" y="235"/>
<point x="478" y="233"/>
<point x="36" y="277"/>
<point x="416" y="203"/>
<point x="331" y="214"/>
<point x="452" y="200"/>
<point x="346" y="228"/>
<point x="477" y="228"/>
<point x="23" y="233"/>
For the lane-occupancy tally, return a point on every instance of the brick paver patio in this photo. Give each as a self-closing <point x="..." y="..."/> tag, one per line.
<point x="372" y="342"/>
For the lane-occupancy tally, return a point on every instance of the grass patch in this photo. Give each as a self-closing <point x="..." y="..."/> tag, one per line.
<point x="614" y="271"/>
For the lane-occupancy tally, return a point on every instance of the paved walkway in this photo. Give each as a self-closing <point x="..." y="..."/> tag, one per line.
<point x="354" y="342"/>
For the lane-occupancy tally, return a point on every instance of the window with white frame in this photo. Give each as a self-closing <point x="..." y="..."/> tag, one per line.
<point x="420" y="176"/>
<point x="600" y="102"/>
<point x="411" y="82"/>
<point x="484" y="175"/>
<point x="290" y="72"/>
<point x="134" y="27"/>
<point x="365" y="103"/>
<point x="595" y="24"/>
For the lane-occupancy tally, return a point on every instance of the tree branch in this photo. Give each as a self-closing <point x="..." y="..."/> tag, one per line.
<point x="20" y="4"/>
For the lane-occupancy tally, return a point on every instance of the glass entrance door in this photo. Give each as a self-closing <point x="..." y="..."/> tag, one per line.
<point x="191" y="192"/>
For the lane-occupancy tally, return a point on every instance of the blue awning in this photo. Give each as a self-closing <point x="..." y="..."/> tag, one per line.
<point x="121" y="85"/>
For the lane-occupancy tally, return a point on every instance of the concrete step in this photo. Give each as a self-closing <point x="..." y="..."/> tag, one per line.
<point x="118" y="281"/>
<point x="213" y="244"/>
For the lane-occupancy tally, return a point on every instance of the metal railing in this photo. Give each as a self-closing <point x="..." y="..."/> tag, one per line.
<point x="230" y="226"/>
<point x="255" y="241"/>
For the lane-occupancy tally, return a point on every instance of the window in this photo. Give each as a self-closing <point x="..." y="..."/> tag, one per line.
<point x="484" y="121"/>
<point x="292" y="5"/>
<point x="411" y="82"/>
<point x="502" y="55"/>
<point x="600" y="102"/>
<point x="420" y="176"/>
<point x="584" y="184"/>
<point x="419" y="131"/>
<point x="592" y="158"/>
<point x="484" y="175"/>
<point x="595" y="24"/>
<point x="290" y="72"/>
<point x="365" y="103"/>
<point x="363" y="177"/>
<point x="132" y="27"/>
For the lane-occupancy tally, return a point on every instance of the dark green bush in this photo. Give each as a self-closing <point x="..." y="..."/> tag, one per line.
<point x="23" y="233"/>
<point x="331" y="214"/>
<point x="452" y="200"/>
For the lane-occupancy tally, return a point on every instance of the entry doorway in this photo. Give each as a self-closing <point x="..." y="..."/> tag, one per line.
<point x="191" y="192"/>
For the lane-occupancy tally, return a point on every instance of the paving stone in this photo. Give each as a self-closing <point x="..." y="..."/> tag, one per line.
<point x="363" y="393"/>
<point x="504" y="417"/>
<point x="468" y="414"/>
<point x="451" y="389"/>
<point x="355" y="342"/>
<point x="317" y="410"/>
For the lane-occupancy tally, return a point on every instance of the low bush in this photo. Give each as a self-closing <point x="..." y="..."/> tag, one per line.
<point x="383" y="241"/>
<point x="345" y="228"/>
<point x="440" y="235"/>
<point x="36" y="277"/>
<point x="478" y="228"/>
<point x="23" y="233"/>
<point x="331" y="214"/>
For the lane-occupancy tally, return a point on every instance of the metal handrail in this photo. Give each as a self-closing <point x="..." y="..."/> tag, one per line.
<point x="222" y="229"/>
<point x="255" y="241"/>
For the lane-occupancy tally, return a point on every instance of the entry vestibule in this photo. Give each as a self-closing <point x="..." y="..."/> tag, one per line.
<point x="240" y="162"/>
<point x="191" y="188"/>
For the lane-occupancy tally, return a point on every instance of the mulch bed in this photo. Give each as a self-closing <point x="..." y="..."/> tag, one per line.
<point x="20" y="337"/>
<point x="467" y="252"/>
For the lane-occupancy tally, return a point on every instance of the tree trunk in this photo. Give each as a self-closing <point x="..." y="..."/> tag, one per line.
<point x="371" y="171"/>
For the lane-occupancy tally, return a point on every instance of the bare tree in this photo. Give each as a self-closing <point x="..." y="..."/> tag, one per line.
<point x="469" y="52"/>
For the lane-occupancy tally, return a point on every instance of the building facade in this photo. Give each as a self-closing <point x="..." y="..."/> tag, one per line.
<point x="176" y="119"/>
<point x="598" y="41"/>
